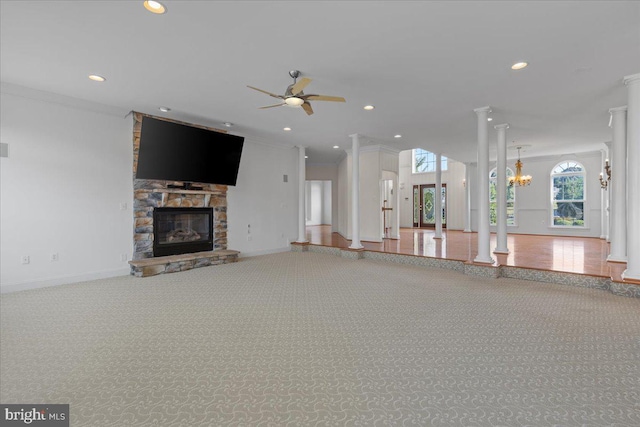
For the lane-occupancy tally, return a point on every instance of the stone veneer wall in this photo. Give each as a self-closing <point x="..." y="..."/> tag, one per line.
<point x="150" y="194"/>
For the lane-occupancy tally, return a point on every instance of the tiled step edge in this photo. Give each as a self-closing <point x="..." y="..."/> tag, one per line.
<point x="489" y="271"/>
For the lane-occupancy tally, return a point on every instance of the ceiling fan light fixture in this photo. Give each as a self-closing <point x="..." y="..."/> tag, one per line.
<point x="294" y="101"/>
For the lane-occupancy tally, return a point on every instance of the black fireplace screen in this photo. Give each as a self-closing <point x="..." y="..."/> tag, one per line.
<point x="182" y="230"/>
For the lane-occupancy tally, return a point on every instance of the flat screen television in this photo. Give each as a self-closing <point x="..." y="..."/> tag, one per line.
<point x="175" y="152"/>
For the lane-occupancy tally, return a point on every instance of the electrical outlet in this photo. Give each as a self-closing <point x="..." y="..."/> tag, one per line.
<point x="249" y="238"/>
<point x="26" y="259"/>
<point x="123" y="257"/>
<point x="123" y="206"/>
<point x="54" y="257"/>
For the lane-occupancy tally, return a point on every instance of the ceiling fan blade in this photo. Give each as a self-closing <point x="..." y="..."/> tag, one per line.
<point x="325" y="98"/>
<point x="268" y="93"/>
<point x="307" y="108"/>
<point x="298" y="86"/>
<point x="271" y="106"/>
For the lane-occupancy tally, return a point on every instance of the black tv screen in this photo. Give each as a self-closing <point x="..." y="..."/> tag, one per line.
<point x="174" y="152"/>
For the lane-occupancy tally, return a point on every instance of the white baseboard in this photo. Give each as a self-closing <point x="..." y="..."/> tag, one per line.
<point x="265" y="252"/>
<point x="64" y="280"/>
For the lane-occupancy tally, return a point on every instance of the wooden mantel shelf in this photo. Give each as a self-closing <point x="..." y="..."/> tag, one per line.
<point x="176" y="190"/>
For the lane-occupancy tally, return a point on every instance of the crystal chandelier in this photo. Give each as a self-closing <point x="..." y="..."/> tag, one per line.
<point x="519" y="180"/>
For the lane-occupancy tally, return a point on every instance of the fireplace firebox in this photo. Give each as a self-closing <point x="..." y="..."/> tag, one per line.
<point x="182" y="230"/>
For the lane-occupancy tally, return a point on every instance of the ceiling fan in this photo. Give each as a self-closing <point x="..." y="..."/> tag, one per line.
<point x="294" y="97"/>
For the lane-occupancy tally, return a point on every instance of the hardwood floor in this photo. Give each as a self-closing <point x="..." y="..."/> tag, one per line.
<point x="582" y="255"/>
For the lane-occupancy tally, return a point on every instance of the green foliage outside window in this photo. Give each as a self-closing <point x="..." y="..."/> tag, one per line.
<point x="568" y="194"/>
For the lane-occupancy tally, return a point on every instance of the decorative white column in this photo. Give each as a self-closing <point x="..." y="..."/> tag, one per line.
<point x="501" y="190"/>
<point x="633" y="178"/>
<point x="302" y="177"/>
<point x="608" y="200"/>
<point x="467" y="198"/>
<point x="618" y="186"/>
<point x="355" y="192"/>
<point x="484" y="250"/>
<point x="438" y="198"/>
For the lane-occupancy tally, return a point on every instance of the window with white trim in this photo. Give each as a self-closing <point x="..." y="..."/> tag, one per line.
<point x="425" y="161"/>
<point x="493" y="202"/>
<point x="568" y="194"/>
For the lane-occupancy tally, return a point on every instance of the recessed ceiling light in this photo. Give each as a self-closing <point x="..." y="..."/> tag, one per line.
<point x="97" y="78"/>
<point x="228" y="124"/>
<point x="336" y="146"/>
<point x="164" y="109"/>
<point x="397" y="136"/>
<point x="287" y="129"/>
<point x="306" y="157"/>
<point x="154" y="7"/>
<point x="489" y="119"/>
<point x="519" y="65"/>
<point x="369" y="107"/>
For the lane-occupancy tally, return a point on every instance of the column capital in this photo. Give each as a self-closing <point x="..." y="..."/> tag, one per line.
<point x="486" y="109"/>
<point x="501" y="126"/>
<point x="355" y="135"/>
<point x="633" y="78"/>
<point x="618" y="109"/>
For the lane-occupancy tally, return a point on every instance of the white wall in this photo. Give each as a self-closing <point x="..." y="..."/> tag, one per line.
<point x="262" y="202"/>
<point x="69" y="169"/>
<point x="533" y="206"/>
<point x="453" y="177"/>
<point x="344" y="197"/>
<point x="327" y="207"/>
<point x="314" y="202"/>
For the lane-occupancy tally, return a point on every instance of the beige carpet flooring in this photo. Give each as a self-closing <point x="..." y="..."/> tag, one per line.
<point x="308" y="339"/>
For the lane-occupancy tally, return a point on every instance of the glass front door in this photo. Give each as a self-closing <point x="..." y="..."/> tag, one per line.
<point x="424" y="205"/>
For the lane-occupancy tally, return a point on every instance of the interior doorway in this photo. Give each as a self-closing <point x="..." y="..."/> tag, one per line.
<point x="318" y="203"/>
<point x="424" y="205"/>
<point x="388" y="203"/>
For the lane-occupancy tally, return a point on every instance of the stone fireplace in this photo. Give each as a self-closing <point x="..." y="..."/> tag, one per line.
<point x="154" y="198"/>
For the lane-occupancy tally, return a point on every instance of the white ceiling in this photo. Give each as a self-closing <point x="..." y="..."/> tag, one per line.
<point x="424" y="65"/>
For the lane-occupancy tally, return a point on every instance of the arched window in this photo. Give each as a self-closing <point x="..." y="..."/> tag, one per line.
<point x="425" y="161"/>
<point x="568" y="191"/>
<point x="493" y="202"/>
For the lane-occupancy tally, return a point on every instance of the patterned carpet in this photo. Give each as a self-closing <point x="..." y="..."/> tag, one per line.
<point x="297" y="339"/>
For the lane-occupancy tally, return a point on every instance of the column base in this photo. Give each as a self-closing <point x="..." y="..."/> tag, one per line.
<point x="356" y="246"/>
<point x="501" y="251"/>
<point x="631" y="276"/>
<point x="482" y="260"/>
<point x="466" y="231"/>
<point x="616" y="258"/>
